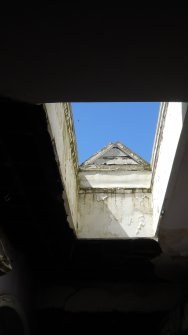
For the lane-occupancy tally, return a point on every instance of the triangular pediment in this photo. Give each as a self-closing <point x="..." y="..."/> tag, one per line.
<point x="115" y="154"/>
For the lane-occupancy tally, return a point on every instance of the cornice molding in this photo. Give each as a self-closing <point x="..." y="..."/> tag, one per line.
<point x="158" y="137"/>
<point x="71" y="134"/>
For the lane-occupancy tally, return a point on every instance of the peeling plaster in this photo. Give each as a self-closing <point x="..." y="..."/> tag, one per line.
<point x="101" y="198"/>
<point x="114" y="215"/>
<point x="114" y="200"/>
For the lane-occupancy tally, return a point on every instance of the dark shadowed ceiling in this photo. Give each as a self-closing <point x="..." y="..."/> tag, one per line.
<point x="50" y="55"/>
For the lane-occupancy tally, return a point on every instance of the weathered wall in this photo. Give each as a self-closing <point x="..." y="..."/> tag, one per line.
<point x="170" y="122"/>
<point x="62" y="133"/>
<point x="114" y="179"/>
<point x="114" y="214"/>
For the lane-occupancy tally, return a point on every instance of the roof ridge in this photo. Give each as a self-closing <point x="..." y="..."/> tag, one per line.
<point x="132" y="155"/>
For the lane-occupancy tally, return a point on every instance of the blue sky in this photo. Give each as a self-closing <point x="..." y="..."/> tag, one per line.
<point x="98" y="124"/>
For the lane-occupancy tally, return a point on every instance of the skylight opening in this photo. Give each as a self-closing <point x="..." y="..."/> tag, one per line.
<point x="100" y="123"/>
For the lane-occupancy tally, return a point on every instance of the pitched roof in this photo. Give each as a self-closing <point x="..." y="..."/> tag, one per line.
<point x="115" y="154"/>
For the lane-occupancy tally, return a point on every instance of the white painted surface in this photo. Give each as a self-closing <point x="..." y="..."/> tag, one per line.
<point x="61" y="136"/>
<point x="115" y="179"/>
<point x="173" y="225"/>
<point x="114" y="215"/>
<point x="166" y="152"/>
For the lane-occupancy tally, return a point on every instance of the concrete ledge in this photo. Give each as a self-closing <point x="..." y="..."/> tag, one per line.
<point x="113" y="179"/>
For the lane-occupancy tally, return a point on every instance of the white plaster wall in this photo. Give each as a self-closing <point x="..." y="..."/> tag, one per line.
<point x="173" y="224"/>
<point x="114" y="214"/>
<point x="115" y="179"/>
<point x="167" y="149"/>
<point x="61" y="136"/>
